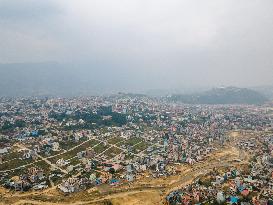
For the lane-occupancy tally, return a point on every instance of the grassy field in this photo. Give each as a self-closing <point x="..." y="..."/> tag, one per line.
<point x="115" y="140"/>
<point x="12" y="155"/>
<point x="43" y="165"/>
<point x="140" y="147"/>
<point x="131" y="142"/>
<point x="74" y="161"/>
<point x="71" y="143"/>
<point x="100" y="148"/>
<point x="74" y="152"/>
<point x="12" y="164"/>
<point x="51" y="153"/>
<point x="112" y="152"/>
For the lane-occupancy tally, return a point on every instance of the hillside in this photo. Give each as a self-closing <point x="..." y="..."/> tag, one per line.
<point x="228" y="95"/>
<point x="265" y="90"/>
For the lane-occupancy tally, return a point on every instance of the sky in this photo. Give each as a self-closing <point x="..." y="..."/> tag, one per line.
<point x="144" y="44"/>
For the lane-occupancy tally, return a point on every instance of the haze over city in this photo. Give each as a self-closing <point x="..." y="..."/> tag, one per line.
<point x="137" y="45"/>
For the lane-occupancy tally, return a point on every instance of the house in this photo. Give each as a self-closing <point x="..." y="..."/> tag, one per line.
<point x="17" y="184"/>
<point x="40" y="186"/>
<point x="233" y="200"/>
<point x="34" y="133"/>
<point x="220" y="197"/>
<point x="129" y="168"/>
<point x="112" y="167"/>
<point x="107" y="117"/>
<point x="130" y="177"/>
<point x="4" y="150"/>
<point x="70" y="168"/>
<point x="35" y="173"/>
<point x="143" y="167"/>
<point x="61" y="162"/>
<point x="70" y="185"/>
<point x="92" y="177"/>
<point x="26" y="154"/>
<point x="55" y="146"/>
<point x="90" y="153"/>
<point x="114" y="182"/>
<point x="81" y="154"/>
<point x="219" y="180"/>
<point x="37" y="149"/>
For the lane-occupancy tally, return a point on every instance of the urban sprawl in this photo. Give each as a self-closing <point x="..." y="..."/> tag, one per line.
<point x="216" y="154"/>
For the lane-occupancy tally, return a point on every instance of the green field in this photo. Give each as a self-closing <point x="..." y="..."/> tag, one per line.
<point x="131" y="142"/>
<point x="74" y="161"/>
<point x="112" y="152"/>
<point x="100" y="148"/>
<point x="68" y="144"/>
<point x="140" y="147"/>
<point x="74" y="152"/>
<point x="115" y="140"/>
<point x="12" y="164"/>
<point x="12" y="156"/>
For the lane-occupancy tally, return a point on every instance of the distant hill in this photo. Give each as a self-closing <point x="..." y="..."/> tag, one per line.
<point x="47" y="79"/>
<point x="228" y="95"/>
<point x="265" y="90"/>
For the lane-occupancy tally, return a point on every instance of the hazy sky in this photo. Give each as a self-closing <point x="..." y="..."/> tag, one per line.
<point x="147" y="43"/>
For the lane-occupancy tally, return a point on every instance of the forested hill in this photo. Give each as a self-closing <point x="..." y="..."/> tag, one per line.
<point x="228" y="95"/>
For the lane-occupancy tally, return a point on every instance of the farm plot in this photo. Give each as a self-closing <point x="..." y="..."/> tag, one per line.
<point x="112" y="152"/>
<point x="115" y="140"/>
<point x="73" y="152"/>
<point x="131" y="142"/>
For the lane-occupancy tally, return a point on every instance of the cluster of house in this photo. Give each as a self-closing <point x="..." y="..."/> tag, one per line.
<point x="34" y="178"/>
<point x="251" y="185"/>
<point x="173" y="133"/>
<point x="231" y="187"/>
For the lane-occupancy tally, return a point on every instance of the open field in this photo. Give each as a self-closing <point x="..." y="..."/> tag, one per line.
<point x="112" y="152"/>
<point x="73" y="152"/>
<point x="115" y="140"/>
<point x="12" y="164"/>
<point x="139" y="147"/>
<point x="100" y="148"/>
<point x="12" y="156"/>
<point x="131" y="142"/>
